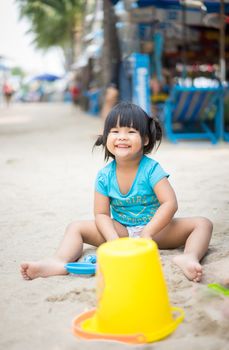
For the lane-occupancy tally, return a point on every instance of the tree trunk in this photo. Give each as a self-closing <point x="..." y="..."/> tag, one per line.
<point x="111" y="51"/>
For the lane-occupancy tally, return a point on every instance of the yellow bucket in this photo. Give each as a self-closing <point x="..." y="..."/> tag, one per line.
<point x="132" y="298"/>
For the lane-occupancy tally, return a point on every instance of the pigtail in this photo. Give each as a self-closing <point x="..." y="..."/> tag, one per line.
<point x="156" y="129"/>
<point x="154" y="134"/>
<point x="99" y="141"/>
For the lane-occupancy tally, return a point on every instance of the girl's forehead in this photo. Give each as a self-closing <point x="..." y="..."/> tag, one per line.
<point x="121" y="121"/>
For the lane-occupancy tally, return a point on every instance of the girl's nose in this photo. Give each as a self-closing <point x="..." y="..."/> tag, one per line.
<point x="122" y="136"/>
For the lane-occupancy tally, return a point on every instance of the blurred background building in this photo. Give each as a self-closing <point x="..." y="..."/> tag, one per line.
<point x="186" y="42"/>
<point x="141" y="48"/>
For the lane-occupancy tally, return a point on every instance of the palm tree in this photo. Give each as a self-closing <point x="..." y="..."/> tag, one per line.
<point x="54" y="23"/>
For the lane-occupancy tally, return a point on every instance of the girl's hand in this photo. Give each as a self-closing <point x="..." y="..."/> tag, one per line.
<point x="146" y="234"/>
<point x="103" y="220"/>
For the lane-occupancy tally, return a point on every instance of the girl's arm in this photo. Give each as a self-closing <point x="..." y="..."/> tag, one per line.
<point x="103" y="219"/>
<point x="166" y="211"/>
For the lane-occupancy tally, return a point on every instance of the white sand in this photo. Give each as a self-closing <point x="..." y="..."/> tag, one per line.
<point x="46" y="180"/>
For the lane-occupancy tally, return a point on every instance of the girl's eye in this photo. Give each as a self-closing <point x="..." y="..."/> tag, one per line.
<point x="132" y="131"/>
<point x="113" y="131"/>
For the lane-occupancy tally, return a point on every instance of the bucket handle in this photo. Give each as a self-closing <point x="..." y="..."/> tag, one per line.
<point x="180" y="316"/>
<point x="79" y="332"/>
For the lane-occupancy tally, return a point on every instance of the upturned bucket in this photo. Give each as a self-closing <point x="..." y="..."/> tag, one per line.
<point x="132" y="297"/>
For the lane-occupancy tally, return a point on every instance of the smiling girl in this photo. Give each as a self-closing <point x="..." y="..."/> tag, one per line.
<point x="133" y="197"/>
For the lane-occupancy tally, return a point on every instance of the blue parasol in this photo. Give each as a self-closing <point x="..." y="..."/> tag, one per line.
<point x="46" y="77"/>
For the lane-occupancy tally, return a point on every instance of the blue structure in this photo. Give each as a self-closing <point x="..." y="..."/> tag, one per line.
<point x="211" y="6"/>
<point x="125" y="80"/>
<point x="158" y="40"/>
<point x="93" y="101"/>
<point x="226" y="115"/>
<point x="140" y="81"/>
<point x="194" y="113"/>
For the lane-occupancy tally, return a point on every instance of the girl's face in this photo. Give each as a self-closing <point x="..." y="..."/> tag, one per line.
<point x="125" y="143"/>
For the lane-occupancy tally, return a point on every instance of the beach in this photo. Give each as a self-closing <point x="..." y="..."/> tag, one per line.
<point x="47" y="179"/>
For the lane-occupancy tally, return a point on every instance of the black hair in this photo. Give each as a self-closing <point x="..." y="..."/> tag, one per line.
<point x="127" y="114"/>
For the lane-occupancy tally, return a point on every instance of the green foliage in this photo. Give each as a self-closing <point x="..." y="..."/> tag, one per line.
<point x="17" y="71"/>
<point x="53" y="22"/>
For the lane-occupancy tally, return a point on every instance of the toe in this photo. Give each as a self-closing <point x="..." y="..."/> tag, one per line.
<point x="198" y="276"/>
<point x="196" y="279"/>
<point x="23" y="269"/>
<point x="24" y="275"/>
<point x="24" y="265"/>
<point x="27" y="278"/>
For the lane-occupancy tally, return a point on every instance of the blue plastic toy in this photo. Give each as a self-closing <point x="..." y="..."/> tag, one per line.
<point x="90" y="258"/>
<point x="88" y="267"/>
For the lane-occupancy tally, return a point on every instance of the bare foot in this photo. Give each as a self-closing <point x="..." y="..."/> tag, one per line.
<point x="226" y="282"/>
<point x="190" y="266"/>
<point x="42" y="268"/>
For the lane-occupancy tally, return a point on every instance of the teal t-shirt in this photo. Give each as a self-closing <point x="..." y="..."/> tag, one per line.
<point x="139" y="205"/>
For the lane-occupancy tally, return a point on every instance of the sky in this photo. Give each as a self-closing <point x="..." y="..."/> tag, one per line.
<point x="16" y="45"/>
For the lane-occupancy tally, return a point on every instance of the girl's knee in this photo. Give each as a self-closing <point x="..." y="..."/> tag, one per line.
<point x="205" y="224"/>
<point x="73" y="226"/>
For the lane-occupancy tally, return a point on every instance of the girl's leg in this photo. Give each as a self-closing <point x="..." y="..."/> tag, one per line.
<point x="194" y="234"/>
<point x="70" y="250"/>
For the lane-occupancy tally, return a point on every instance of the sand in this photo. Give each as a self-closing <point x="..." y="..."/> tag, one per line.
<point x="46" y="180"/>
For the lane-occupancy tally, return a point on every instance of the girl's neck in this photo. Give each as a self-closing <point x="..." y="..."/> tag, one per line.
<point x="128" y="164"/>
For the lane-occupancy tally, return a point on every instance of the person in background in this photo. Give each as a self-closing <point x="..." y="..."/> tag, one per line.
<point x="8" y="91"/>
<point x="112" y="91"/>
<point x="75" y="92"/>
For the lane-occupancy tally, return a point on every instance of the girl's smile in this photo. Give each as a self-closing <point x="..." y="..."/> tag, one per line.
<point x="122" y="146"/>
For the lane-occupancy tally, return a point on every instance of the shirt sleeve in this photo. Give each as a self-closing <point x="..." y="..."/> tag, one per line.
<point x="156" y="173"/>
<point x="101" y="184"/>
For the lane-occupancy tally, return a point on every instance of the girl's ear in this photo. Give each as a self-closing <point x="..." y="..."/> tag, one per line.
<point x="146" y="141"/>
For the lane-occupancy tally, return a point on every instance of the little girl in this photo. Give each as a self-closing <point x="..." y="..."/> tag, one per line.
<point x="134" y="198"/>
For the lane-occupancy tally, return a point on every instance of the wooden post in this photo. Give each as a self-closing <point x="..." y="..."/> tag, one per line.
<point x="184" y="43"/>
<point x="111" y="51"/>
<point x="222" y="64"/>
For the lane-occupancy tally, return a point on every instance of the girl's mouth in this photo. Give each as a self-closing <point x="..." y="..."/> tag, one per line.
<point x="122" y="146"/>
